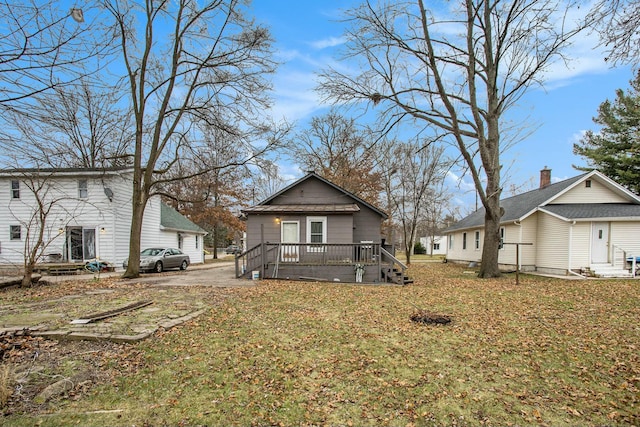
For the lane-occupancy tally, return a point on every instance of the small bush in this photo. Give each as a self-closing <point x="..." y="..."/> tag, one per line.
<point x="419" y="249"/>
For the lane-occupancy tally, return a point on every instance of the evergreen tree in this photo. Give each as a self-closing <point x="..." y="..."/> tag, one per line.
<point x="615" y="149"/>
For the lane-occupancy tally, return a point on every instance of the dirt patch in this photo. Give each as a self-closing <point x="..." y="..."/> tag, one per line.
<point x="36" y="372"/>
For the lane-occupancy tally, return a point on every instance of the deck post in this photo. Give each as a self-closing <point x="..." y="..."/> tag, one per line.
<point x="262" y="252"/>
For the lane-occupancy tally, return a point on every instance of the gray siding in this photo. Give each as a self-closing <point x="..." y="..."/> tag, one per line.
<point x="364" y="225"/>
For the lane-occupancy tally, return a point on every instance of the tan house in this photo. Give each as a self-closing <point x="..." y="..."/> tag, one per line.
<point x="585" y="225"/>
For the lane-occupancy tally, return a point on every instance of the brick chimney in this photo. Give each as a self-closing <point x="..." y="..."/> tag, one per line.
<point x="545" y="177"/>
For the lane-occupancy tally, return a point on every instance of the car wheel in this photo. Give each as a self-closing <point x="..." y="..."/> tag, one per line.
<point x="158" y="267"/>
<point x="183" y="266"/>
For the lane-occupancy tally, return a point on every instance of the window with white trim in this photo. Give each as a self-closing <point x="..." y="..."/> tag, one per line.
<point x="15" y="232"/>
<point x="464" y="241"/>
<point x="83" y="189"/>
<point x="316" y="232"/>
<point x="15" y="189"/>
<point x="451" y="241"/>
<point x="477" y="240"/>
<point x="502" y="234"/>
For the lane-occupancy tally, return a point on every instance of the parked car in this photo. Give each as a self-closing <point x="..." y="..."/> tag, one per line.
<point x="160" y="259"/>
<point x="232" y="249"/>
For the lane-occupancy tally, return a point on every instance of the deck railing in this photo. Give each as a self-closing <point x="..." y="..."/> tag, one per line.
<point x="277" y="255"/>
<point x="628" y="259"/>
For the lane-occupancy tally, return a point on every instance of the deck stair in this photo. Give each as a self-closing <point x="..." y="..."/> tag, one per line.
<point x="609" y="271"/>
<point x="395" y="275"/>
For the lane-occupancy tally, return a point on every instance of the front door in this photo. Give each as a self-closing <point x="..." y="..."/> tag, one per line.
<point x="290" y="233"/>
<point x="600" y="242"/>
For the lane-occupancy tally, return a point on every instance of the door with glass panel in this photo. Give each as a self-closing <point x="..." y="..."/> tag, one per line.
<point x="290" y="237"/>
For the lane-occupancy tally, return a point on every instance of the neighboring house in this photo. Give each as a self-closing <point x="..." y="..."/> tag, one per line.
<point x="437" y="244"/>
<point x="314" y="229"/>
<point x="585" y="224"/>
<point x="89" y="216"/>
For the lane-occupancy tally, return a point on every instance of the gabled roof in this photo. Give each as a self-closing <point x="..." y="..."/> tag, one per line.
<point x="171" y="219"/>
<point x="519" y="207"/>
<point x="335" y="208"/>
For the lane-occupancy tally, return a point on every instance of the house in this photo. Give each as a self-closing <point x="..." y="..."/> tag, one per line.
<point x="314" y="229"/>
<point x="89" y="216"/>
<point x="587" y="224"/>
<point x="436" y="245"/>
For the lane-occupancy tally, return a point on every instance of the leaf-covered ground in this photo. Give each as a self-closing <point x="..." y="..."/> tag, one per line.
<point x="546" y="352"/>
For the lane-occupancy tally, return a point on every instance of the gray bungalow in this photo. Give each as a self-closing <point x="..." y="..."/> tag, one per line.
<point x="315" y="230"/>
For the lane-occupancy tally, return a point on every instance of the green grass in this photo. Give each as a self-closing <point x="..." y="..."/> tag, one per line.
<point x="289" y="353"/>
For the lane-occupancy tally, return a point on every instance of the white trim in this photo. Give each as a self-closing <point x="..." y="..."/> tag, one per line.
<point x="323" y="220"/>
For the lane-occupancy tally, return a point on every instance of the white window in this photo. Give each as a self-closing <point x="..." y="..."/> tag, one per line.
<point x="451" y="241"/>
<point x="15" y="232"/>
<point x="477" y="240"/>
<point x="464" y="241"/>
<point x="316" y="232"/>
<point x="83" y="190"/>
<point x="502" y="234"/>
<point x="15" y="189"/>
<point x="197" y="245"/>
<point x="436" y="246"/>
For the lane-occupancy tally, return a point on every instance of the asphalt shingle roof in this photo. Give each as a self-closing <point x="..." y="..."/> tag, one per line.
<point x="174" y="220"/>
<point x="518" y="206"/>
<point x="594" y="210"/>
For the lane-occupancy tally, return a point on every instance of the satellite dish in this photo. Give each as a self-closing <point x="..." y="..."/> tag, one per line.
<point x="108" y="193"/>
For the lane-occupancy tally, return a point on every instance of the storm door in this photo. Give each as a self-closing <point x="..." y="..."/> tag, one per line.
<point x="290" y="238"/>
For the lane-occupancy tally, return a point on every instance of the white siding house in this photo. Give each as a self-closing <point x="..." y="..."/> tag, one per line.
<point x="437" y="244"/>
<point x="585" y="224"/>
<point x="88" y="216"/>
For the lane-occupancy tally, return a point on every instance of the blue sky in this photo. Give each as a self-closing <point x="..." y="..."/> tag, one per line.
<point x="308" y="35"/>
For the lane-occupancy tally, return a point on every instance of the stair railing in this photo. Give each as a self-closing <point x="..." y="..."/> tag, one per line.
<point x="385" y="254"/>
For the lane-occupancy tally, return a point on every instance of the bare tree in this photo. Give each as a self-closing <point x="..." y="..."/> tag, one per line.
<point x="38" y="228"/>
<point x="192" y="61"/>
<point x="338" y="150"/>
<point x="456" y="76"/>
<point x="44" y="45"/>
<point x="77" y="125"/>
<point x="416" y="183"/>
<point x="212" y="199"/>
<point x="618" y="22"/>
<point x="266" y="181"/>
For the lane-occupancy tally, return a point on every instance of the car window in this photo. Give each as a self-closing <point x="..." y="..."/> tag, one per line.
<point x="177" y="252"/>
<point x="150" y="252"/>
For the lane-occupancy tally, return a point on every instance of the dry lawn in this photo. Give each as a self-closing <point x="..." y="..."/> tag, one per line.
<point x="547" y="352"/>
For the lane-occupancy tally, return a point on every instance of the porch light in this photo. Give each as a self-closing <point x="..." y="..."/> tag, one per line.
<point x="103" y="230"/>
<point x="277" y="220"/>
<point x="60" y="230"/>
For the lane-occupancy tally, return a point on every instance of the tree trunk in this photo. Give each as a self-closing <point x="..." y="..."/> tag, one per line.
<point x="28" y="275"/>
<point x="139" y="202"/>
<point x="490" y="152"/>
